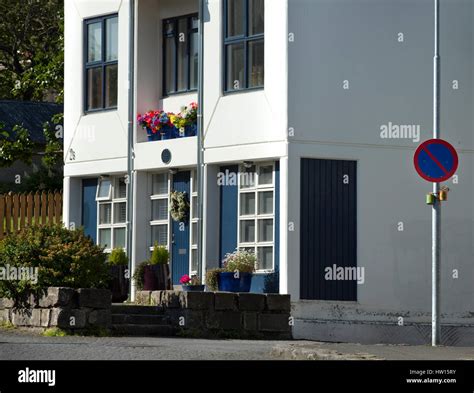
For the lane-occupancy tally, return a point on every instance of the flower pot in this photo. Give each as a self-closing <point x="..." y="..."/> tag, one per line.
<point x="168" y="132"/>
<point x="149" y="279"/>
<point x="162" y="275"/>
<point x="226" y="282"/>
<point x="152" y="136"/>
<point x="190" y="130"/>
<point x="118" y="283"/>
<point x="193" y="288"/>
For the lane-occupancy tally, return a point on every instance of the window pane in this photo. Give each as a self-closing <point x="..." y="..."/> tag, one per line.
<point x="119" y="238"/>
<point x="235" y="67"/>
<point x="265" y="258"/>
<point x="265" y="230"/>
<point x="121" y="188"/>
<point x="105" y="238"/>
<point x="120" y="212"/>
<point x="111" y="86"/>
<point x="159" y="234"/>
<point x="195" y="234"/>
<point x="159" y="209"/>
<point x="111" y="36"/>
<point x="194" y="260"/>
<point x="105" y="213"/>
<point x="182" y="54"/>
<point x="94" y="42"/>
<point x="247" y="178"/>
<point x="195" y="207"/>
<point x="195" y="181"/>
<point x="194" y="61"/>
<point x="160" y="184"/>
<point x="235" y="17"/>
<point x="247" y="231"/>
<point x="247" y="204"/>
<point x="265" y="175"/>
<point x="94" y="88"/>
<point x="169" y="65"/>
<point x="169" y="28"/>
<point x="265" y="202"/>
<point x="256" y="17"/>
<point x="104" y="188"/>
<point x="256" y="63"/>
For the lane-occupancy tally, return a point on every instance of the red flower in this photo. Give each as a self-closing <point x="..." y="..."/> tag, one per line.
<point x="185" y="279"/>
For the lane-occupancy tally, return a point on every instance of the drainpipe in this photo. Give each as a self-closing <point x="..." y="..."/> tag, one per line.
<point x="130" y="149"/>
<point x="200" y="140"/>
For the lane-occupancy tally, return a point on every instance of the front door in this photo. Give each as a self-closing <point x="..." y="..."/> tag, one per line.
<point x="180" y="232"/>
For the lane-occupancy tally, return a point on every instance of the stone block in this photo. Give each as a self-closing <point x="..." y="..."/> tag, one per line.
<point x="143" y="298"/>
<point x="170" y="299"/>
<point x="6" y="303"/>
<point x="186" y="318"/>
<point x="251" y="301"/>
<point x="95" y="298"/>
<point x="35" y="319"/>
<point x="57" y="297"/>
<point x="155" y="298"/>
<point x="275" y="302"/>
<point x="274" y="323"/>
<point x="225" y="301"/>
<point x="45" y="317"/>
<point x="226" y="320"/>
<point x="5" y="315"/>
<point x="197" y="300"/>
<point x="100" y="318"/>
<point x="22" y="317"/>
<point x="68" y="318"/>
<point x="250" y="320"/>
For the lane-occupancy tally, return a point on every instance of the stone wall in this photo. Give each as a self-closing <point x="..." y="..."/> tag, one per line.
<point x="229" y="314"/>
<point x="61" y="307"/>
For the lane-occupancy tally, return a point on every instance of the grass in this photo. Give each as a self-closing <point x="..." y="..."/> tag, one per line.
<point x="55" y="332"/>
<point x="7" y="325"/>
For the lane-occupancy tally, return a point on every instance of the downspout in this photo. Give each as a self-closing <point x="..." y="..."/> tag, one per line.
<point x="200" y="139"/>
<point x="130" y="149"/>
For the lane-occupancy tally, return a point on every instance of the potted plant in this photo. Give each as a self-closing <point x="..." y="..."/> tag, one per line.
<point x="238" y="269"/>
<point x="191" y="284"/>
<point x="154" y="274"/>
<point x="118" y="270"/>
<point x="212" y="279"/>
<point x="158" y="125"/>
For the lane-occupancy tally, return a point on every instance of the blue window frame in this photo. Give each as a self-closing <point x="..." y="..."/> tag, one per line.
<point x="180" y="54"/>
<point x="244" y="44"/>
<point x="100" y="63"/>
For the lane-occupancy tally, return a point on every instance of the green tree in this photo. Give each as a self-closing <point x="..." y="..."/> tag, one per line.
<point x="31" y="50"/>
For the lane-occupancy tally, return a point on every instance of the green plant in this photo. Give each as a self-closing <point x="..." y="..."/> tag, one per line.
<point x="138" y="274"/>
<point x="159" y="256"/>
<point x="7" y="325"/>
<point x="55" y="332"/>
<point x="179" y="206"/>
<point x="118" y="257"/>
<point x="53" y="256"/>
<point x="211" y="278"/>
<point x="242" y="261"/>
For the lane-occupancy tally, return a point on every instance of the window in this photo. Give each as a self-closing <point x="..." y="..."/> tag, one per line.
<point x="244" y="44"/>
<point x="180" y="54"/>
<point x="159" y="209"/>
<point x="101" y="63"/>
<point x="193" y="267"/>
<point x="256" y="211"/>
<point x="112" y="218"/>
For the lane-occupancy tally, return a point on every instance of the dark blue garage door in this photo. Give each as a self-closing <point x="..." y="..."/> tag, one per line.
<point x="328" y="228"/>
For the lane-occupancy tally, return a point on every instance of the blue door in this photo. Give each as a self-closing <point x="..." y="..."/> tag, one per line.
<point x="180" y="232"/>
<point x="89" y="208"/>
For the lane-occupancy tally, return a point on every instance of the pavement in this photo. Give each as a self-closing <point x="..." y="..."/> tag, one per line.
<point x="16" y="344"/>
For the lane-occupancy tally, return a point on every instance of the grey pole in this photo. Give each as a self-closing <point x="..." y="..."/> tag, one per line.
<point x="436" y="209"/>
<point x="200" y="137"/>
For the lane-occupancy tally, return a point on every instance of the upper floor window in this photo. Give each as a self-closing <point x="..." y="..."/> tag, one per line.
<point x="244" y="44"/>
<point x="180" y="54"/>
<point x="101" y="63"/>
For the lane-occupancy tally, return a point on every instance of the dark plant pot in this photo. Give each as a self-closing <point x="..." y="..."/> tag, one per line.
<point x="156" y="278"/>
<point x="168" y="132"/>
<point x="193" y="288"/>
<point x="153" y="136"/>
<point x="118" y="283"/>
<point x="226" y="282"/>
<point x="149" y="278"/>
<point x="190" y="130"/>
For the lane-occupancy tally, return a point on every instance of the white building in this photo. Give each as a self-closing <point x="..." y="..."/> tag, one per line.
<point x="300" y="93"/>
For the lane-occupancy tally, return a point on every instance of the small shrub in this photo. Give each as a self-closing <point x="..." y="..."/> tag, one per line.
<point x="55" y="332"/>
<point x="138" y="275"/>
<point x="118" y="257"/>
<point x="211" y="278"/>
<point x="159" y="256"/>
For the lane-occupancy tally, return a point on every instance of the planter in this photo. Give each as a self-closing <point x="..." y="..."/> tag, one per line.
<point x="190" y="130"/>
<point x="228" y="283"/>
<point x="156" y="278"/>
<point x="193" y="288"/>
<point x="169" y="133"/>
<point x="119" y="284"/>
<point x="153" y="136"/>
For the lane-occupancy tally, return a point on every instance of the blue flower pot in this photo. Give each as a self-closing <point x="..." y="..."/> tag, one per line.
<point x="152" y="136"/>
<point x="226" y="282"/>
<point x="169" y="133"/>
<point x="190" y="130"/>
<point x="193" y="288"/>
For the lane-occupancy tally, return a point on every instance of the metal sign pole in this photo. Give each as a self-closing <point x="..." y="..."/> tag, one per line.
<point x="436" y="209"/>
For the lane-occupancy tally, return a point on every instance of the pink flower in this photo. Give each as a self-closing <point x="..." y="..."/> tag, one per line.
<point x="185" y="279"/>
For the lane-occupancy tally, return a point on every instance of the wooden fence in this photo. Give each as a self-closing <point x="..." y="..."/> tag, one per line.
<point x="17" y="211"/>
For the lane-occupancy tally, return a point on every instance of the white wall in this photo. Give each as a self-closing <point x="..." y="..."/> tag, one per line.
<point x="389" y="82"/>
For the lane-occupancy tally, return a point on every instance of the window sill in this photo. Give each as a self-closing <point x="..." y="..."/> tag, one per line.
<point x="93" y="111"/>
<point x="241" y="91"/>
<point x="178" y="93"/>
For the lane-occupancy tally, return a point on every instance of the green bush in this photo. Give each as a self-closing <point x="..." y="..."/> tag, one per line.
<point x="60" y="257"/>
<point x="241" y="261"/>
<point x="138" y="275"/>
<point x="159" y="256"/>
<point x="118" y="257"/>
<point x="211" y="278"/>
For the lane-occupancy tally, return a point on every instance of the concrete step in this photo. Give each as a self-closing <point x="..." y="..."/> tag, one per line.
<point x="143" y="330"/>
<point x="139" y="319"/>
<point x="136" y="310"/>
